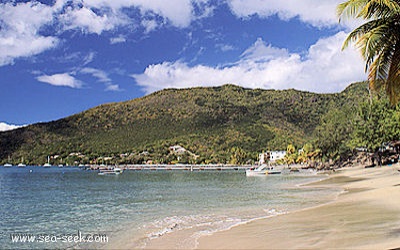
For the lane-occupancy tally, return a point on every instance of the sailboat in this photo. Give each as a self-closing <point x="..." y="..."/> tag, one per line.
<point x="61" y="164"/>
<point x="22" y="165"/>
<point x="8" y="164"/>
<point x="47" y="164"/>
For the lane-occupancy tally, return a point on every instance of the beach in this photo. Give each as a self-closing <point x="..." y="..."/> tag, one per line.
<point x="366" y="215"/>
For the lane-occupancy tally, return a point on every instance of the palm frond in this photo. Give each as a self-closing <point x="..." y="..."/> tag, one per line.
<point x="379" y="9"/>
<point x="359" y="32"/>
<point x="393" y="80"/>
<point x="373" y="42"/>
<point x="350" y="8"/>
<point x="378" y="41"/>
<point x="378" y="71"/>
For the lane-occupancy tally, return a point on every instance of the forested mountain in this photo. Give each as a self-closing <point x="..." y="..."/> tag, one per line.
<point x="212" y="123"/>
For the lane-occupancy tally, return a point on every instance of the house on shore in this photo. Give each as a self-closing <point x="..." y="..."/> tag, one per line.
<point x="270" y="156"/>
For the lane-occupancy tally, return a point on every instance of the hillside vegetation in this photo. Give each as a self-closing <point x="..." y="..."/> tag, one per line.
<point x="212" y="123"/>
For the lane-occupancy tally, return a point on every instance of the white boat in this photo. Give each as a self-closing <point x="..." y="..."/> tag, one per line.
<point x="61" y="165"/>
<point x="47" y="164"/>
<point x="115" y="171"/>
<point x="262" y="170"/>
<point x="8" y="165"/>
<point x="21" y="165"/>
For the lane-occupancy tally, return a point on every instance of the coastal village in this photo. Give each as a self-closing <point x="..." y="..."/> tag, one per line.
<point x="303" y="158"/>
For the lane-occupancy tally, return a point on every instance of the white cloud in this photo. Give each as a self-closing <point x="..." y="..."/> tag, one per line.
<point x="19" y="30"/>
<point x="316" y="13"/>
<point x="149" y="25"/>
<point x="101" y="77"/>
<point x="6" y="127"/>
<point x="64" y="79"/>
<point x="325" y="68"/>
<point x="178" y="12"/>
<point x="21" y="23"/>
<point x="99" y="74"/>
<point x="118" y="39"/>
<point x="225" y="47"/>
<point x="112" y="87"/>
<point x="260" y="52"/>
<point x="89" y="21"/>
<point x="96" y="16"/>
<point x="69" y="80"/>
<point x="89" y="58"/>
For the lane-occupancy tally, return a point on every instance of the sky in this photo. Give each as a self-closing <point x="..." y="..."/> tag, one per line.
<point x="61" y="57"/>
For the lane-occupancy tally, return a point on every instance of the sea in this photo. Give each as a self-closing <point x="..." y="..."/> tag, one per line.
<point x="71" y="208"/>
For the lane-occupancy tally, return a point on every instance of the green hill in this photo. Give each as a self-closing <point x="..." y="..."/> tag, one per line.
<point x="212" y="123"/>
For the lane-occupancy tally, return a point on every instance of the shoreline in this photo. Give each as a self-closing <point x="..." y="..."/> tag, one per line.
<point x="188" y="238"/>
<point x="366" y="215"/>
<point x="182" y="231"/>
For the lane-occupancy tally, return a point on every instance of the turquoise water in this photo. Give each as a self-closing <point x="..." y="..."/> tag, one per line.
<point x="140" y="205"/>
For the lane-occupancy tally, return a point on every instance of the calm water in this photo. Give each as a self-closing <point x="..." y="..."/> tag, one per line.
<point x="140" y="205"/>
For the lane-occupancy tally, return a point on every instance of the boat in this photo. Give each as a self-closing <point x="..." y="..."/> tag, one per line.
<point x="262" y="170"/>
<point x="21" y="165"/>
<point x="114" y="171"/>
<point x="8" y="165"/>
<point x="61" y="165"/>
<point x="47" y="164"/>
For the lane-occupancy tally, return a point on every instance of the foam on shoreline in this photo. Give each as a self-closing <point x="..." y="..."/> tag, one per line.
<point x="366" y="215"/>
<point x="184" y="232"/>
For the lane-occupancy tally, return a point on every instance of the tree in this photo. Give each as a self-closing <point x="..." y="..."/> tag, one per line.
<point x="376" y="122"/>
<point x="291" y="155"/>
<point x="238" y="156"/>
<point x="378" y="40"/>
<point x="290" y="149"/>
<point x="334" y="133"/>
<point x="304" y="155"/>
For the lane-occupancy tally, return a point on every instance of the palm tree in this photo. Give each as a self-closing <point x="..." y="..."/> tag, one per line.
<point x="290" y="149"/>
<point x="378" y="39"/>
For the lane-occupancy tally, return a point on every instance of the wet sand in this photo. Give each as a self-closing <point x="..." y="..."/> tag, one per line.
<point x="365" y="216"/>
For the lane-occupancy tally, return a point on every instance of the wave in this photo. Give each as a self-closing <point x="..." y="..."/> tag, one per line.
<point x="192" y="227"/>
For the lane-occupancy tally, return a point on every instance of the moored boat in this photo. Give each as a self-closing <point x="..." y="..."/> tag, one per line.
<point x="114" y="171"/>
<point x="47" y="164"/>
<point x="8" y="164"/>
<point x="22" y="164"/>
<point x="262" y="170"/>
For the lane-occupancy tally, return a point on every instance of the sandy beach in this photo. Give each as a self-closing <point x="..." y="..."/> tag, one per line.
<point x="366" y="215"/>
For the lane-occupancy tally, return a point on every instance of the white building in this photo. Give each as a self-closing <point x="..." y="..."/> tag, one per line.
<point x="271" y="156"/>
<point x="177" y="149"/>
<point x="277" y="155"/>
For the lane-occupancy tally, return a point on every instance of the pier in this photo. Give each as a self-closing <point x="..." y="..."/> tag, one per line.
<point x="186" y="167"/>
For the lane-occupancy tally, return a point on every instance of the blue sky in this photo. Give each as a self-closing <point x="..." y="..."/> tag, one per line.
<point x="61" y="57"/>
